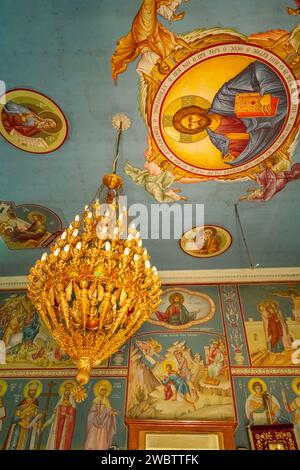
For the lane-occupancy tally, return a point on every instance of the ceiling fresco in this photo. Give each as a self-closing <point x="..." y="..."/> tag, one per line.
<point x="212" y="92"/>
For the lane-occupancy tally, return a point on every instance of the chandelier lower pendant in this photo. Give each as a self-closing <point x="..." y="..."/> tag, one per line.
<point x="96" y="287"/>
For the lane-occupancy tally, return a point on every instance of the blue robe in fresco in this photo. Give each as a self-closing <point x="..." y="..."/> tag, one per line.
<point x="255" y="78"/>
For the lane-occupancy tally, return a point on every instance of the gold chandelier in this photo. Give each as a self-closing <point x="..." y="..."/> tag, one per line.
<point x="96" y="287"/>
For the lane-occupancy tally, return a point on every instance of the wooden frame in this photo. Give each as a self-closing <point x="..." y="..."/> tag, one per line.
<point x="138" y="430"/>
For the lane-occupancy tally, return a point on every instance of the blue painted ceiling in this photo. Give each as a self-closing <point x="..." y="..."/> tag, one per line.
<point x="63" y="49"/>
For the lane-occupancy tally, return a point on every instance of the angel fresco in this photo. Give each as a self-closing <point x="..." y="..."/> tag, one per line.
<point x="148" y="38"/>
<point x="157" y="181"/>
<point x="271" y="180"/>
<point x="294" y="11"/>
<point x="217" y="104"/>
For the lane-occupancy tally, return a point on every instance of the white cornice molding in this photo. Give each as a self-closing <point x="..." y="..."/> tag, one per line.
<point x="205" y="276"/>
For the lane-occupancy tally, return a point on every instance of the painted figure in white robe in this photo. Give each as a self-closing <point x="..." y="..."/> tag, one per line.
<point x="101" y="421"/>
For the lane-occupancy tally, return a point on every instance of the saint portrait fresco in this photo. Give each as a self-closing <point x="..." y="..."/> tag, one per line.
<point x="206" y="241"/>
<point x="218" y="105"/>
<point x="32" y="122"/>
<point x="261" y="407"/>
<point x="43" y="414"/>
<point x="181" y="308"/>
<point x="23" y="433"/>
<point x="28" y="226"/>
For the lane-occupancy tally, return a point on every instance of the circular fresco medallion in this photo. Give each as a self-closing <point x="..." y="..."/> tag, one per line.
<point x="205" y="241"/>
<point x="224" y="110"/>
<point x="32" y="122"/>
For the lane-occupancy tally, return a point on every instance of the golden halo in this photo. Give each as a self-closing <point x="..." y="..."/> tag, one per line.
<point x="256" y="380"/>
<point x="266" y="302"/>
<point x="4" y="388"/>
<point x="67" y="384"/>
<point x="209" y="227"/>
<point x="40" y="214"/>
<point x="176" y="105"/>
<point x="36" y="384"/>
<point x="165" y="363"/>
<point x="176" y="294"/>
<point x="55" y="118"/>
<point x="295" y="385"/>
<point x="100" y="384"/>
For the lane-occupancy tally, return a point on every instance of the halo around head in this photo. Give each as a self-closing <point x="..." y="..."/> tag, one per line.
<point x="53" y="117"/>
<point x="102" y="383"/>
<point x="3" y="388"/>
<point x="187" y="101"/>
<point x="296" y="385"/>
<point x="166" y="363"/>
<point x="39" y="214"/>
<point x="176" y="294"/>
<point x="255" y="380"/>
<point x="211" y="228"/>
<point x="33" y="385"/>
<point x="265" y="303"/>
<point x="66" y="385"/>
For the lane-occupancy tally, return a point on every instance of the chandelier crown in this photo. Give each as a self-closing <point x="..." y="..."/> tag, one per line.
<point x="96" y="287"/>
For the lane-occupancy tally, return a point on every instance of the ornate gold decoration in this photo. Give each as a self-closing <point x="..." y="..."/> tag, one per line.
<point x="96" y="287"/>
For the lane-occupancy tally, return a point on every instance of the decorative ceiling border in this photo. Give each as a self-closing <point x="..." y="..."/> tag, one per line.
<point x="57" y="373"/>
<point x="205" y="276"/>
<point x="265" y="371"/>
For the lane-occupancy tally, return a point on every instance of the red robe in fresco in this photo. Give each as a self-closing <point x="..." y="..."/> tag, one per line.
<point x="62" y="428"/>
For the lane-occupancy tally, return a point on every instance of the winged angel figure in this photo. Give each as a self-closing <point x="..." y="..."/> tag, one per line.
<point x="148" y="38"/>
<point x="294" y="11"/>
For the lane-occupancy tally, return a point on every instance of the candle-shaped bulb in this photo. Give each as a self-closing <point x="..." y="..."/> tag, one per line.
<point x="56" y="252"/>
<point x="126" y="251"/>
<point x="75" y="233"/>
<point x="77" y="218"/>
<point x="44" y="256"/>
<point x="64" y="235"/>
<point x="140" y="243"/>
<point x="86" y="207"/>
<point x="78" y="246"/>
<point x="136" y="258"/>
<point x="107" y="246"/>
<point x="130" y="237"/>
<point x="90" y="215"/>
<point x="66" y="248"/>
